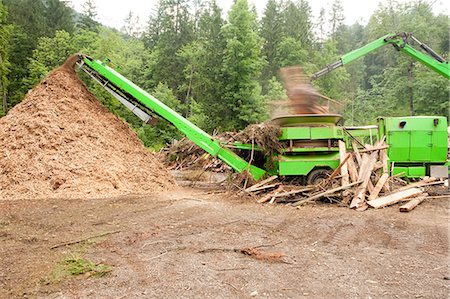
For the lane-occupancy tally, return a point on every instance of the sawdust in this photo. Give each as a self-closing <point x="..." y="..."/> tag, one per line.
<point x="61" y="142"/>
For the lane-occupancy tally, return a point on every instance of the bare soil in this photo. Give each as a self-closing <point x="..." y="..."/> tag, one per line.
<point x="189" y="243"/>
<point x="61" y="142"/>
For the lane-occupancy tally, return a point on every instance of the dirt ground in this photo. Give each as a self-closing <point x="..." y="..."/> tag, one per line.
<point x="180" y="244"/>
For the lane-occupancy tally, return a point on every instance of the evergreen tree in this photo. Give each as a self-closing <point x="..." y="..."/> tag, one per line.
<point x="5" y="31"/>
<point x="336" y="17"/>
<point x="271" y="32"/>
<point x="59" y="16"/>
<point x="241" y="68"/>
<point x="88" y="16"/>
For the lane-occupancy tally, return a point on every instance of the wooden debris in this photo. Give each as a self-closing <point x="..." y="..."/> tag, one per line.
<point x="412" y="204"/>
<point x="293" y="192"/>
<point x="381" y="182"/>
<point x="353" y="172"/>
<point x="393" y="198"/>
<point x="426" y="181"/>
<point x="364" y="176"/>
<point x="322" y="194"/>
<point x="343" y="158"/>
<point x="263" y="187"/>
<point x="259" y="184"/>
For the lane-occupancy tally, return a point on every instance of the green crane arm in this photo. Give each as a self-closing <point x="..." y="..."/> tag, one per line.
<point x="401" y="43"/>
<point x="139" y="101"/>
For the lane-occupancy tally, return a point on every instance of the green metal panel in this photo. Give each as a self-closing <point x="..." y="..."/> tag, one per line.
<point x="292" y="133"/>
<point x="194" y="133"/>
<point x="303" y="164"/>
<point x="311" y="149"/>
<point x="400" y="170"/>
<point x="420" y="146"/>
<point x="411" y="171"/>
<point x="440" y="146"/>
<point x="427" y="141"/>
<point x="399" y="145"/>
<point x="333" y="132"/>
<point x="311" y="133"/>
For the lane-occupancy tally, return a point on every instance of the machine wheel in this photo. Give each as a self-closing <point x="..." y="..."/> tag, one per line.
<point x="317" y="175"/>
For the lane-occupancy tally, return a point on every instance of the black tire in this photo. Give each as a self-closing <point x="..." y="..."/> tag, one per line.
<point x="317" y="175"/>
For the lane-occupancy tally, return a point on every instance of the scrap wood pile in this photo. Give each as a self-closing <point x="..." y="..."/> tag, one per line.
<point x="361" y="181"/>
<point x="185" y="154"/>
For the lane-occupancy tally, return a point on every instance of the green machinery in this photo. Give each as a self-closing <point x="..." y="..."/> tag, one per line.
<point x="418" y="145"/>
<point x="310" y="141"/>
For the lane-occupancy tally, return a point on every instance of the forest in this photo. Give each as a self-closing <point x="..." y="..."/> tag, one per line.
<point x="220" y="70"/>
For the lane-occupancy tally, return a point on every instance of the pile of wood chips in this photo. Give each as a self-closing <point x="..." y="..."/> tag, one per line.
<point x="361" y="181"/>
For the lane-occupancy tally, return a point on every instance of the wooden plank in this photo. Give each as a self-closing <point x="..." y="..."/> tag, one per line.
<point x="427" y="181"/>
<point x="393" y="198"/>
<point x="338" y="169"/>
<point x="288" y="193"/>
<point x="383" y="179"/>
<point x="412" y="204"/>
<point x="384" y="160"/>
<point x="342" y="158"/>
<point x="357" y="154"/>
<point x="353" y="172"/>
<point x="376" y="148"/>
<point x="268" y="180"/>
<point x="365" y="173"/>
<point x="265" y="187"/>
<point x="328" y="192"/>
<point x="370" y="186"/>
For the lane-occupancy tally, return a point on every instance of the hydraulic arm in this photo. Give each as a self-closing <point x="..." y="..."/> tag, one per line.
<point x="402" y="43"/>
<point x="141" y="103"/>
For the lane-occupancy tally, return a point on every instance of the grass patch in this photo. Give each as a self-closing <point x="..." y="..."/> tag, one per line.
<point x="75" y="265"/>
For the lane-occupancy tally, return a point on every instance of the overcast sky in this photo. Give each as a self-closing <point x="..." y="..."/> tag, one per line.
<point x="113" y="12"/>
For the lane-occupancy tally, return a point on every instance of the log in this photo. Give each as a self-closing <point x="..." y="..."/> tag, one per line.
<point x="412" y="204"/>
<point x="381" y="182"/>
<point x="328" y="192"/>
<point x="343" y="158"/>
<point x="268" y="180"/>
<point x="394" y="198"/>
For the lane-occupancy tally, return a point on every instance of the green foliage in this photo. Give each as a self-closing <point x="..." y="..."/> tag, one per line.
<point x="74" y="265"/>
<point x="291" y="52"/>
<point x="49" y="54"/>
<point x="242" y="65"/>
<point x="5" y="32"/>
<point x="275" y="91"/>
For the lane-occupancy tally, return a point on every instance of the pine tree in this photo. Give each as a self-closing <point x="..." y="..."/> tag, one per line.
<point x="241" y="68"/>
<point x="5" y="31"/>
<point x="59" y="16"/>
<point x="271" y="32"/>
<point x="88" y="16"/>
